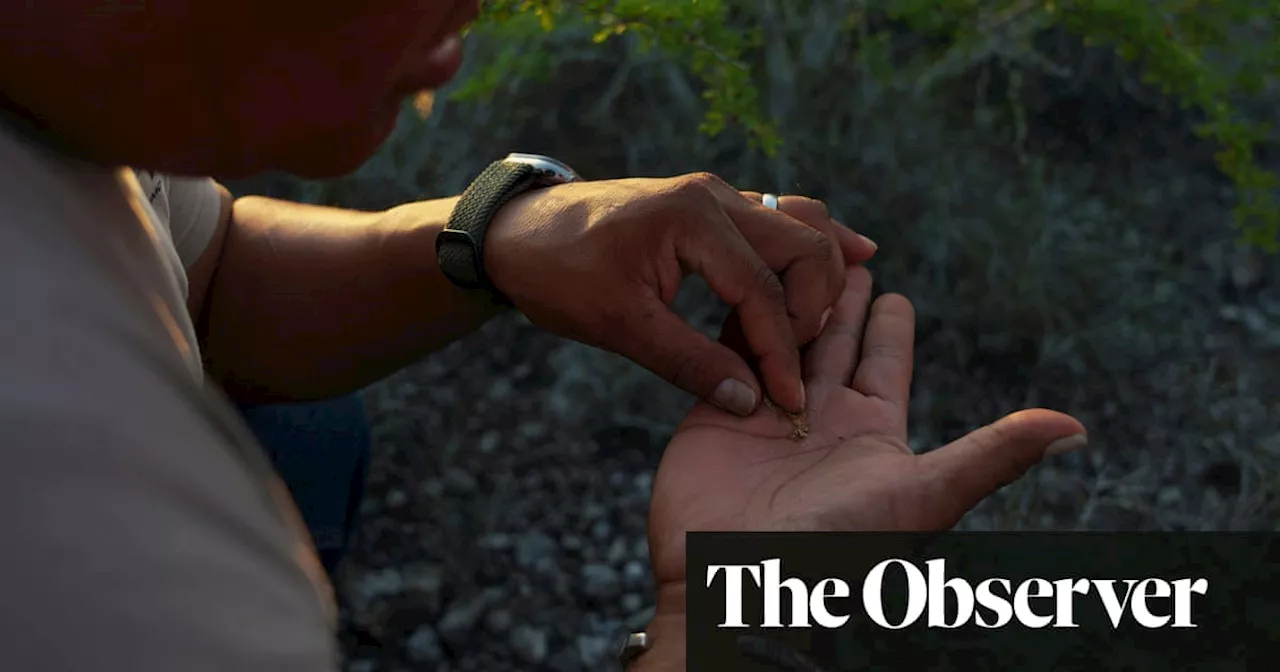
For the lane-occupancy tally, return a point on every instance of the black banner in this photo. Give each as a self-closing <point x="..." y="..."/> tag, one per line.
<point x="983" y="601"/>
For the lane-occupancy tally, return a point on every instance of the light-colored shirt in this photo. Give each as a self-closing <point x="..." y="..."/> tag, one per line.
<point x="143" y="527"/>
<point x="187" y="208"/>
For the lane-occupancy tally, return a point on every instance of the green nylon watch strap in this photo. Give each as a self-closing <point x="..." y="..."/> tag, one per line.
<point x="460" y="246"/>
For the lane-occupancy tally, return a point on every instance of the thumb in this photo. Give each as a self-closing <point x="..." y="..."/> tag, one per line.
<point x="964" y="472"/>
<point x="688" y="359"/>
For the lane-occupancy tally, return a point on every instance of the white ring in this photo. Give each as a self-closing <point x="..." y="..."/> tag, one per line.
<point x="769" y="201"/>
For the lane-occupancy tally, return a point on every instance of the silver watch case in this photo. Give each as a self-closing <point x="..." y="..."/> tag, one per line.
<point x="548" y="171"/>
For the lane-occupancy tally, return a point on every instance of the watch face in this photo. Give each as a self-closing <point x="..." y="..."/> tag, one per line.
<point x="550" y="171"/>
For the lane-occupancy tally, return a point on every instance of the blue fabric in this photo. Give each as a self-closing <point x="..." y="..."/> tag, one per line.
<point x="321" y="450"/>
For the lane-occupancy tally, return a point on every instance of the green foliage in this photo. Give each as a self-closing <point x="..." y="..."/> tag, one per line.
<point x="698" y="32"/>
<point x="1211" y="55"/>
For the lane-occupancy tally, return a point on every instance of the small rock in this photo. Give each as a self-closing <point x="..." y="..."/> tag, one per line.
<point x="532" y="430"/>
<point x="463" y="614"/>
<point x="425" y="579"/>
<point x="533" y="547"/>
<point x="617" y="552"/>
<point x="641" y="548"/>
<point x="570" y="542"/>
<point x="631" y="603"/>
<point x="602" y="530"/>
<point x="1256" y="322"/>
<point x="500" y="389"/>
<point x="634" y="571"/>
<point x="643" y="482"/>
<point x="547" y="565"/>
<point x="565" y="660"/>
<point x="432" y="488"/>
<point x="396" y="498"/>
<point x="362" y="665"/>
<point x="600" y="581"/>
<point x="593" y="511"/>
<point x="498" y="620"/>
<point x="380" y="584"/>
<point x="423" y="646"/>
<point x="460" y="481"/>
<point x="592" y="649"/>
<point x="444" y="395"/>
<point x="609" y="627"/>
<point x="489" y="441"/>
<point x="496" y="541"/>
<point x="529" y="643"/>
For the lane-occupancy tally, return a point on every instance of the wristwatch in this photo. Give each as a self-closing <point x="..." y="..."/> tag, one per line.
<point x="460" y="246"/>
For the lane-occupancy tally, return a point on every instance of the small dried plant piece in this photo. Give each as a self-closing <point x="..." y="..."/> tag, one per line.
<point x="800" y="421"/>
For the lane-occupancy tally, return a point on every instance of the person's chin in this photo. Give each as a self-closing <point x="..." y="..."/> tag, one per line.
<point x="342" y="153"/>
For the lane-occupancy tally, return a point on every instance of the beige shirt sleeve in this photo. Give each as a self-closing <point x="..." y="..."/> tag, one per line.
<point x="187" y="206"/>
<point x="194" y="206"/>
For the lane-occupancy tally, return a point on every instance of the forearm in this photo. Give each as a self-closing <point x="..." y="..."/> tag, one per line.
<point x="310" y="302"/>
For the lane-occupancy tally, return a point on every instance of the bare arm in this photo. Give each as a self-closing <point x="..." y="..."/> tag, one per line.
<point x="308" y="302"/>
<point x="299" y="302"/>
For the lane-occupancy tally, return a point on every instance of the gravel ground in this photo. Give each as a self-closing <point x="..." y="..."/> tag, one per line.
<point x="506" y="516"/>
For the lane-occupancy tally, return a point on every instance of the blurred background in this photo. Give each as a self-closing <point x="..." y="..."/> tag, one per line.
<point x="1065" y="236"/>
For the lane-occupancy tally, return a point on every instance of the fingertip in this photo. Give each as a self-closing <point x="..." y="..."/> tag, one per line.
<point x="868" y="244"/>
<point x="892" y="302"/>
<point x="859" y="276"/>
<point x="1048" y="422"/>
<point x="736" y="396"/>
<point x="856" y="247"/>
<point x="785" y="386"/>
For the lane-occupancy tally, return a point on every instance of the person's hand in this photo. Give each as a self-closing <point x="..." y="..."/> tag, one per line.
<point x="600" y="262"/>
<point x="853" y="472"/>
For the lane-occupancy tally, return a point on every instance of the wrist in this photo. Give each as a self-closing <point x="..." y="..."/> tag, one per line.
<point x="508" y="235"/>
<point x="666" y="632"/>
<point x="417" y="225"/>
<point x="464" y="247"/>
<point x="526" y="241"/>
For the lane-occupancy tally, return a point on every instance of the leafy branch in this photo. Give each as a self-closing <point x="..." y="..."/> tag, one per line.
<point x="1206" y="54"/>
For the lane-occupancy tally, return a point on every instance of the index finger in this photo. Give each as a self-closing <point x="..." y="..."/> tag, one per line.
<point x="740" y="277"/>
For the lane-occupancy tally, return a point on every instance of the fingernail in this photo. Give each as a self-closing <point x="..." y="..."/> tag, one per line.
<point x="1067" y="445"/>
<point x="868" y="241"/>
<point x="734" y="396"/>
<point x="826" y="315"/>
<point x="804" y="398"/>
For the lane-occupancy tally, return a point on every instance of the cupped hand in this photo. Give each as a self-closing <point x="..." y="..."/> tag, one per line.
<point x="601" y="262"/>
<point x="854" y="471"/>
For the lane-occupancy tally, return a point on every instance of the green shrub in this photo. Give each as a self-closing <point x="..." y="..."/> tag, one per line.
<point x="1213" y="56"/>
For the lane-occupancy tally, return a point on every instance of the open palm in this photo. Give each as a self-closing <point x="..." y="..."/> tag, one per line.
<point x="854" y="470"/>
